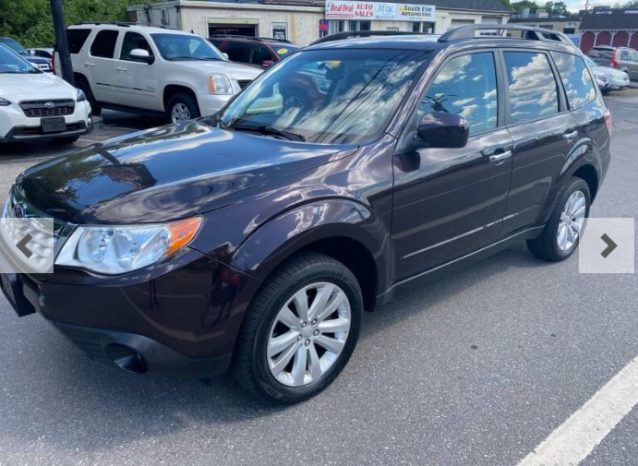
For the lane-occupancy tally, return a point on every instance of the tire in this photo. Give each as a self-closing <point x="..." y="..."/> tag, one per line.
<point x="84" y="86"/>
<point x="547" y="245"/>
<point x="184" y="104"/>
<point x="66" y="141"/>
<point x="262" y="324"/>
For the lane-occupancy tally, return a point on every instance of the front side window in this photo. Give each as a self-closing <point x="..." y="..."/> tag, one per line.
<point x="104" y="44"/>
<point x="465" y="85"/>
<point x="133" y="40"/>
<point x="578" y="84"/>
<point x="532" y="88"/>
<point x="175" y="47"/>
<point x="328" y="96"/>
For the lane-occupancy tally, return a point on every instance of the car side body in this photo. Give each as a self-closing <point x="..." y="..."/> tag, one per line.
<point x="258" y="51"/>
<point x="390" y="213"/>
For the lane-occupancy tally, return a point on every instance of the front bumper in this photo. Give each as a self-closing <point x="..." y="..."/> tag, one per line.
<point x="15" y="126"/>
<point x="182" y="318"/>
<point x="209" y="104"/>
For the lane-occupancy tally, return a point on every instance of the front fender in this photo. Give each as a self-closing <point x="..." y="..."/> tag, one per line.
<point x="295" y="229"/>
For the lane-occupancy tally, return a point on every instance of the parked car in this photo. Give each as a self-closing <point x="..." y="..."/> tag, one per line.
<point x="259" y="51"/>
<point x="622" y="58"/>
<point x="42" y="63"/>
<point x="153" y="70"/>
<point x="608" y="78"/>
<point x="255" y="239"/>
<point x="44" y="52"/>
<point x="38" y="105"/>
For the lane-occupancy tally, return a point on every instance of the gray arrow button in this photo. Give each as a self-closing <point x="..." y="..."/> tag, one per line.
<point x="611" y="245"/>
<point x="22" y="246"/>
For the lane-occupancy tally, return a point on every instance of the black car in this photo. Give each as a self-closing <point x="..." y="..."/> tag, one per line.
<point x="42" y="63"/>
<point x="259" y="51"/>
<point x="254" y="239"/>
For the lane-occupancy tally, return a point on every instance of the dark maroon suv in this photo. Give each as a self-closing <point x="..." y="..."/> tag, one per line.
<point x="254" y="239"/>
<point x="258" y="51"/>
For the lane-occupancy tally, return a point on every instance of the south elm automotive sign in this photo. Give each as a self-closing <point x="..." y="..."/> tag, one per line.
<point x="379" y="11"/>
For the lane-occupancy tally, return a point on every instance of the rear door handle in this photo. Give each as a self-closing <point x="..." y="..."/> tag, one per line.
<point x="121" y="68"/>
<point x="89" y="65"/>
<point x="499" y="158"/>
<point x="570" y="135"/>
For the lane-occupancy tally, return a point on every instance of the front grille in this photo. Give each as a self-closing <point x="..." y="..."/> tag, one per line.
<point x="244" y="82"/>
<point x="47" y="108"/>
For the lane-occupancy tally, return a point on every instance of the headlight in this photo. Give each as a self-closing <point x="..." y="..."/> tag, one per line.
<point x="113" y="250"/>
<point x="4" y="102"/>
<point x="80" y="97"/>
<point x="219" y="84"/>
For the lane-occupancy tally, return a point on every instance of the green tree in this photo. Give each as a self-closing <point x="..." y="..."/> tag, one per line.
<point x="29" y="21"/>
<point x="517" y="7"/>
<point x="556" y="9"/>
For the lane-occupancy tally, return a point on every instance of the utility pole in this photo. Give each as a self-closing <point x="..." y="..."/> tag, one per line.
<point x="62" y="44"/>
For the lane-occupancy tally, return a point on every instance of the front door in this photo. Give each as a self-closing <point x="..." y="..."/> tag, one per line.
<point x="450" y="201"/>
<point x="137" y="80"/>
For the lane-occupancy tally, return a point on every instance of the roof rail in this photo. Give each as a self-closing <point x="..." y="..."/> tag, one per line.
<point x="526" y="32"/>
<point x="115" y="23"/>
<point x="354" y="34"/>
<point x="241" y="36"/>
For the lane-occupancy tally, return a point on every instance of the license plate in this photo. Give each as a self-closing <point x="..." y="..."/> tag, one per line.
<point x="53" y="125"/>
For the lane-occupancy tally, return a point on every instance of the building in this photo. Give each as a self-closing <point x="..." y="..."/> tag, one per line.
<point x="609" y="26"/>
<point x="304" y="21"/>
<point x="566" y="25"/>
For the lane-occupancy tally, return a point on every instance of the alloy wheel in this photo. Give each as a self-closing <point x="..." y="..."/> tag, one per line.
<point x="308" y="334"/>
<point x="572" y="219"/>
<point x="180" y="113"/>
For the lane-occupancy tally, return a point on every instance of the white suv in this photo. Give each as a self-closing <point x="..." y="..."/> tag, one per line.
<point x="37" y="105"/>
<point x="146" y="69"/>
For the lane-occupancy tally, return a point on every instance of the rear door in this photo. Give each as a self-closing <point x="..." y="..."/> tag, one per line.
<point x="631" y="65"/>
<point x="101" y="65"/>
<point x="450" y="201"/>
<point x="542" y="130"/>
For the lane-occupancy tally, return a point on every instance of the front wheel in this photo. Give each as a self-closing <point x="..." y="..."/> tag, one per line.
<point x="300" y="330"/>
<point x="182" y="107"/>
<point x="565" y="227"/>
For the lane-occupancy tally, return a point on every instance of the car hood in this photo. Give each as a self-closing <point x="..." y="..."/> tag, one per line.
<point x="165" y="173"/>
<point x="30" y="86"/>
<point x="232" y="69"/>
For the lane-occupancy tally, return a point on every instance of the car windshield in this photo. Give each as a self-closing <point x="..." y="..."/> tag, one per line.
<point x="14" y="45"/>
<point x="338" y="96"/>
<point x="10" y="62"/>
<point x="184" y="47"/>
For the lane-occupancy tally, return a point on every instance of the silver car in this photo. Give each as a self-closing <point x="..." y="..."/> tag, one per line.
<point x="608" y="78"/>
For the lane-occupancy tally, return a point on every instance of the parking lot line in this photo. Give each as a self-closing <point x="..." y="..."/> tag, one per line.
<point x="573" y="440"/>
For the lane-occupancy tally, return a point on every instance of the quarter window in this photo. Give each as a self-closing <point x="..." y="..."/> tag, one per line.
<point x="577" y="81"/>
<point x="76" y="39"/>
<point x="532" y="88"/>
<point x="466" y="85"/>
<point x="104" y="44"/>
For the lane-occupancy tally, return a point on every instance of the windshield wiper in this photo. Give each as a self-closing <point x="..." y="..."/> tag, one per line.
<point x="269" y="131"/>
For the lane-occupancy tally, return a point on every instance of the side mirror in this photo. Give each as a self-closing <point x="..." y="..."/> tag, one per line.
<point x="267" y="63"/>
<point x="141" y="55"/>
<point x="442" y="129"/>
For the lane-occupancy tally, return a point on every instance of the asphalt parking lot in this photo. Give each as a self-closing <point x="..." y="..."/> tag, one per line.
<point x="477" y="368"/>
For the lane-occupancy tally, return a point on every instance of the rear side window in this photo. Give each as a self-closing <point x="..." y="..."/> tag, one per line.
<point x="578" y="83"/>
<point x="76" y="39"/>
<point x="104" y="44"/>
<point x="532" y="88"/>
<point x="465" y="85"/>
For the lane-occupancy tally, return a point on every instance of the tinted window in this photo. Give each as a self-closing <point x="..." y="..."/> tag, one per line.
<point x="133" y="40"/>
<point x="466" y="85"/>
<point x="175" y="47"/>
<point x="76" y="38"/>
<point x="532" y="88"/>
<point x="577" y="81"/>
<point x="104" y="44"/>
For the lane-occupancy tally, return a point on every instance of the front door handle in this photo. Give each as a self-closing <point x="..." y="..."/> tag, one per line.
<point x="89" y="64"/>
<point x="121" y="68"/>
<point x="499" y="158"/>
<point x="570" y="135"/>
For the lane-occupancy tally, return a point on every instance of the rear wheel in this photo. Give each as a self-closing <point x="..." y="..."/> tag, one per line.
<point x="182" y="107"/>
<point x="300" y="331"/>
<point x="562" y="232"/>
<point x="84" y="86"/>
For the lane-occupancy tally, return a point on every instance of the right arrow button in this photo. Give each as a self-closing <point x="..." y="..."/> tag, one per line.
<point x="611" y="245"/>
